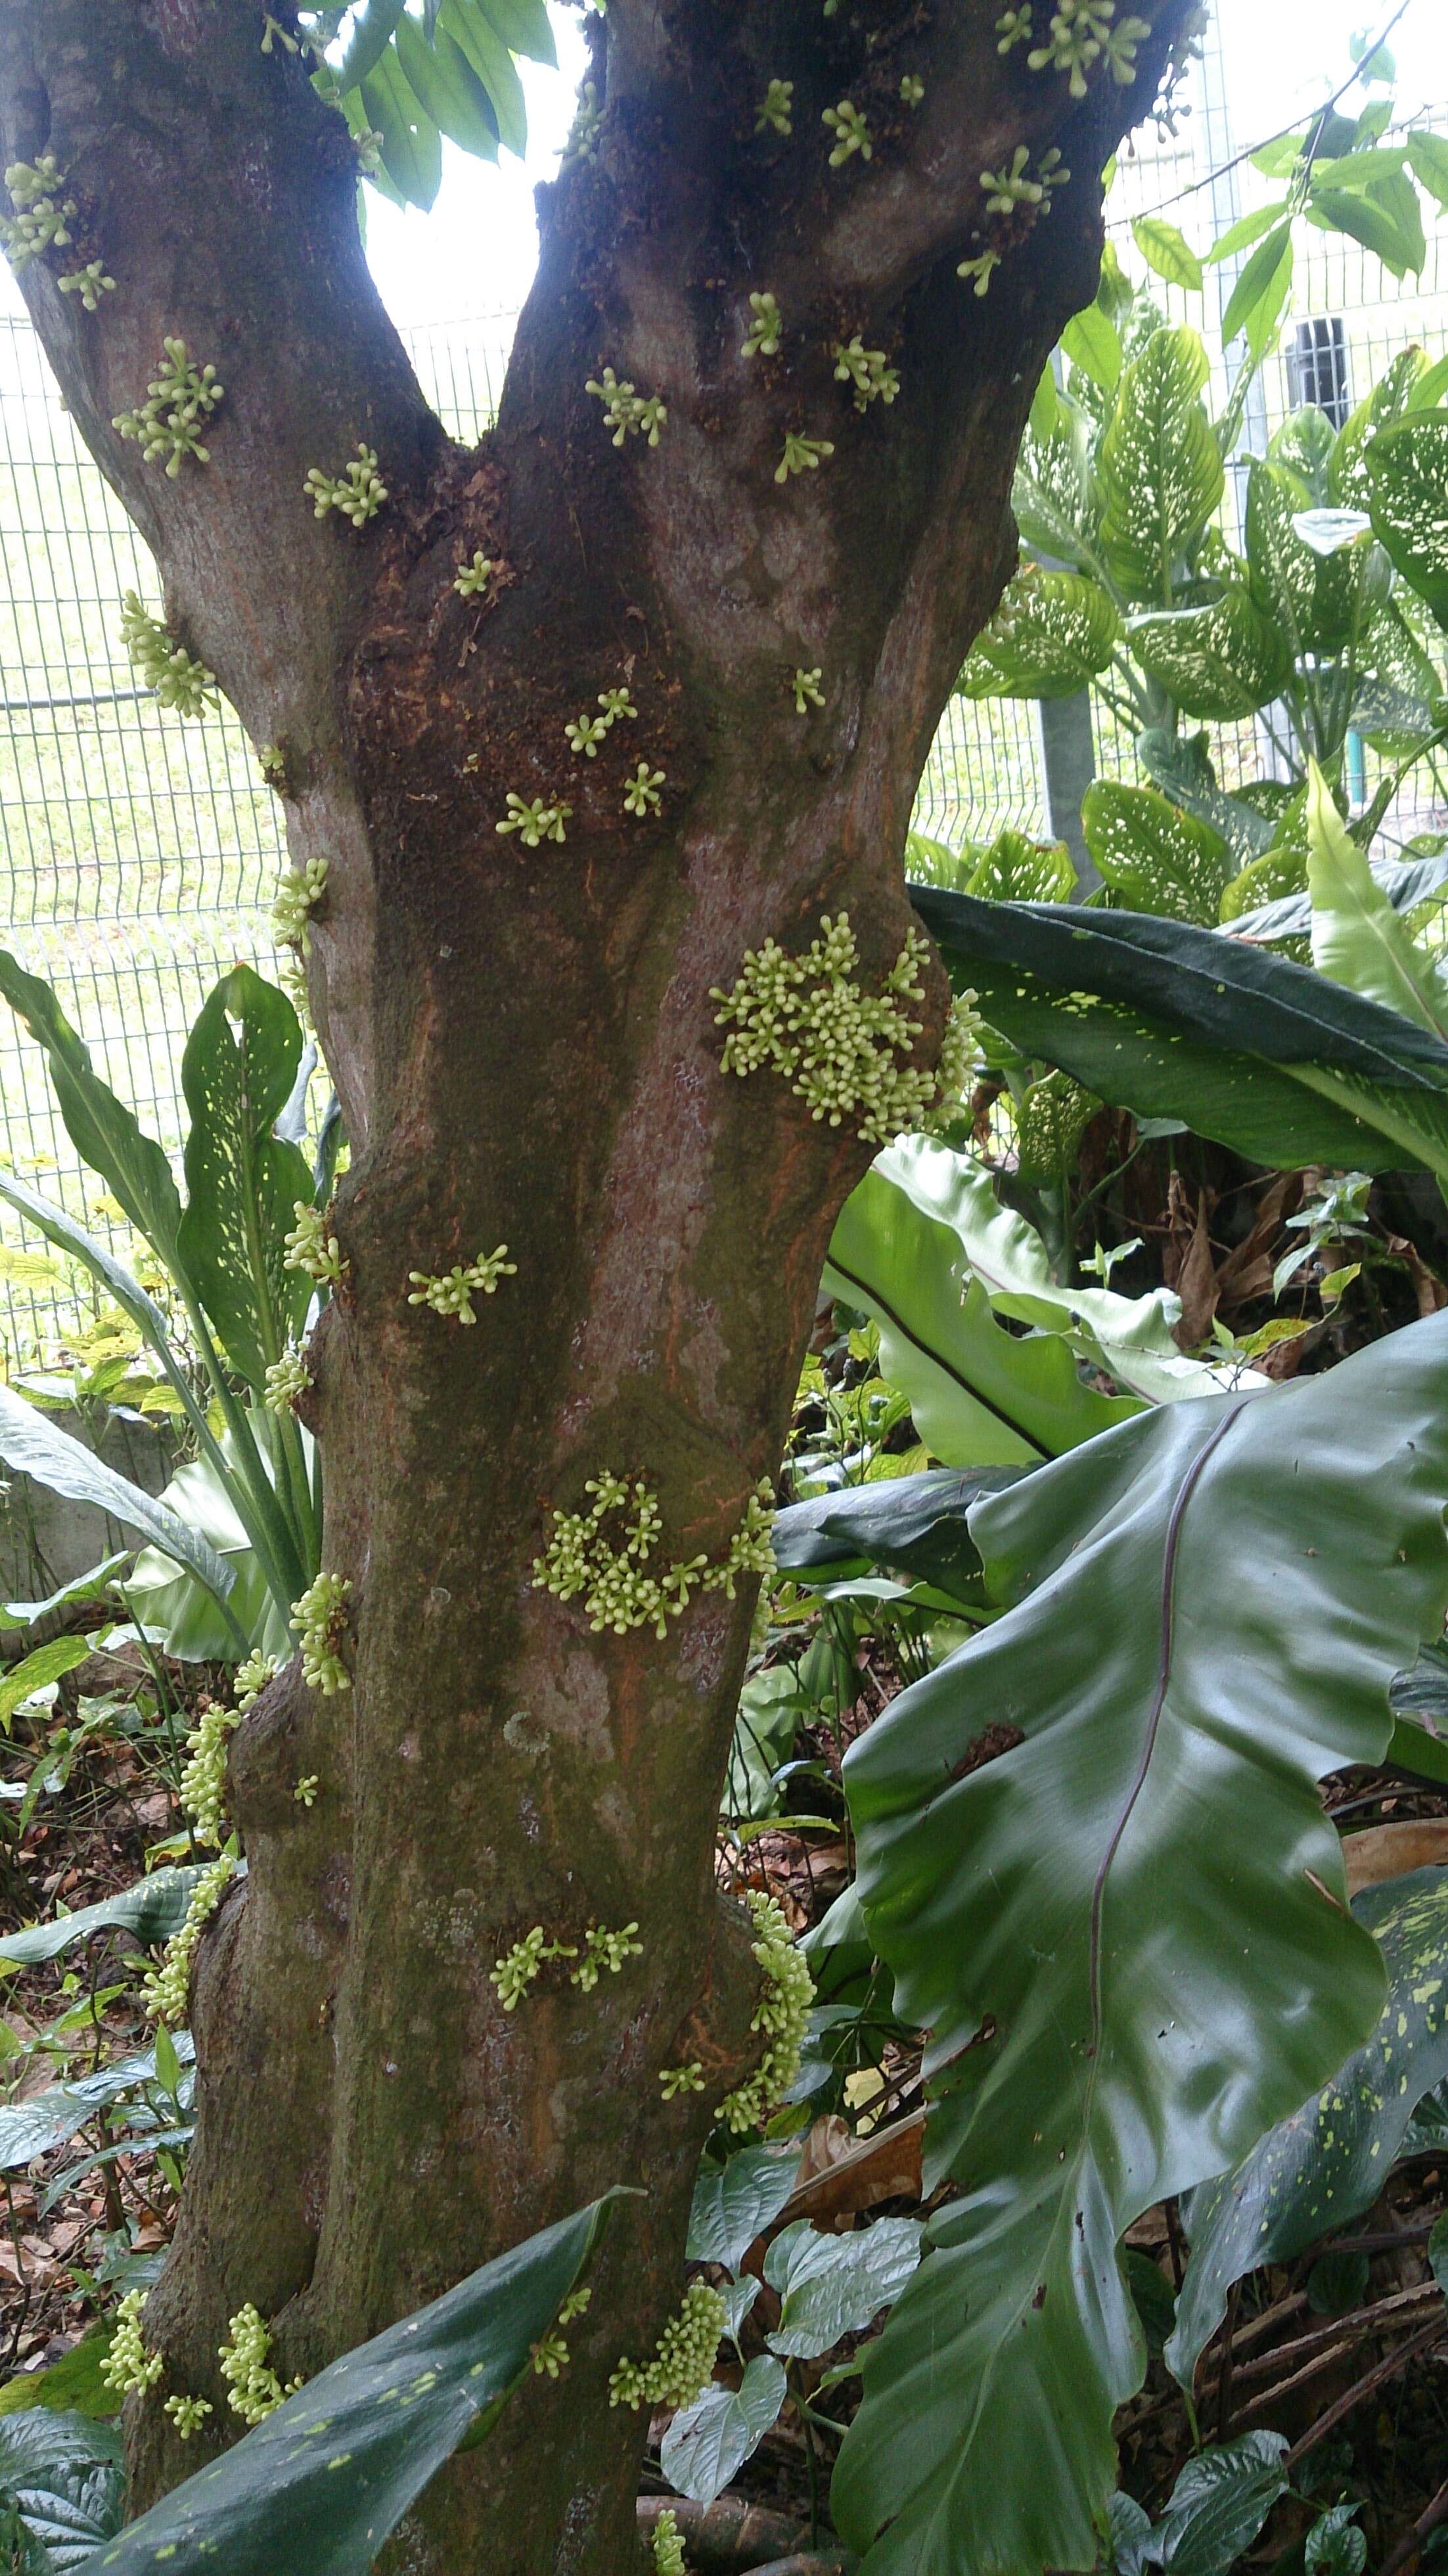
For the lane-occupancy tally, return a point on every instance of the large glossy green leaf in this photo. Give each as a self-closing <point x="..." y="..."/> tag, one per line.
<point x="411" y="144"/>
<point x="1172" y="1021"/>
<point x="1310" y="596"/>
<point x="42" y="1665"/>
<point x="150" y="1911"/>
<point x="834" y="2285"/>
<point x="734" y="2202"/>
<point x="1167" y="250"/>
<point x="324" y="2480"/>
<point x="1051" y="635"/>
<point x="1157" y="858"/>
<point x="169" y="1601"/>
<point x="1358" y="937"/>
<point x="31" y="1443"/>
<point x="472" y="30"/>
<point x="1327" y="2162"/>
<point x="1182" y="765"/>
<point x="1407" y="476"/>
<point x="1255" y="305"/>
<point x="1016" y="869"/>
<point x="708" y="2441"/>
<point x="242" y="1180"/>
<point x="64" y="2476"/>
<point x="102" y="1130"/>
<point x="32" y="2128"/>
<point x="981" y="1396"/>
<point x="917" y="1524"/>
<point x="1122" y="1988"/>
<point x="1220" y="663"/>
<point x="444" y="82"/>
<point x="1389" y="399"/>
<point x="1160" y="467"/>
<point x="1054" y="494"/>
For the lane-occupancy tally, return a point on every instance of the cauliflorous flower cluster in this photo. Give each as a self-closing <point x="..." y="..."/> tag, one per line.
<point x="44" y="212"/>
<point x="128" y="2369"/>
<point x="180" y="400"/>
<point x="868" y="371"/>
<point x="776" y="109"/>
<point x="609" y="1559"/>
<point x="781" y="2014"/>
<point x="320" y="1620"/>
<point x="807" y="690"/>
<point x="850" y="130"/>
<point x="586" y="732"/>
<point x="835" y="1044"/>
<point x="475" y="576"/>
<point x="762" y="338"/>
<point x="550" y="2354"/>
<point x="89" y="282"/>
<point x="602" y="1951"/>
<point x="453" y="1291"/>
<point x="203" y="1781"/>
<point x="1022" y="186"/>
<point x="802" y="455"/>
<point x="358" y="492"/>
<point x="912" y="90"/>
<point x="535" y="820"/>
<point x="166" y="1988"/>
<point x="307" y="1790"/>
<point x="627" y="413"/>
<point x="255" y="2390"/>
<point x="641" y="792"/>
<point x="582" y="138"/>
<point x="179" y="682"/>
<point x="188" y="2414"/>
<point x="311" y="1246"/>
<point x="252" y="1677"/>
<point x="287" y="1381"/>
<point x="674" y="2080"/>
<point x="683" y="2362"/>
<point x="1081" y="32"/>
<point x="296" y="899"/>
<point x="668" y="2547"/>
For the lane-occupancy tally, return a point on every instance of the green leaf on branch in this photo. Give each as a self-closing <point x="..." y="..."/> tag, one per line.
<point x="734" y="2202"/>
<point x="1326" y="2163"/>
<point x="1256" y="302"/>
<point x="1168" y="251"/>
<point x="323" y="2481"/>
<point x="708" y="2441"/>
<point x="1092" y="343"/>
<point x="1219" y="2504"/>
<point x="835" y="2285"/>
<point x="1066" y="1920"/>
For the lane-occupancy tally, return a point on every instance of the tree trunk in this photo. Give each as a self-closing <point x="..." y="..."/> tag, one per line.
<point x="527" y="1052"/>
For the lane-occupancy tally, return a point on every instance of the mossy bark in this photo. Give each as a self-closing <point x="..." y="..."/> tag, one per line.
<point x="525" y="1046"/>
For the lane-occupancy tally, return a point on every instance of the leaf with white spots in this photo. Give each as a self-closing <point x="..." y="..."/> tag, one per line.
<point x="1051" y="635"/>
<point x="322" y="2482"/>
<point x="1407" y="471"/>
<point x="1328" y="2162"/>
<point x="1160" y="467"/>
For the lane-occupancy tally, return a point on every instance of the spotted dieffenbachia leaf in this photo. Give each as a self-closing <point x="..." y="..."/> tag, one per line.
<point x="1157" y="858"/>
<point x="1407" y="471"/>
<point x="1160" y="467"/>
<point x="1219" y="663"/>
<point x="1323" y="2166"/>
<point x="1051" y="635"/>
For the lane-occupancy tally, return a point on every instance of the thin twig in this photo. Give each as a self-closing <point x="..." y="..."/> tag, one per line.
<point x="1412" y="2542"/>
<point x="1386" y="2369"/>
<point x="1381" y="2318"/>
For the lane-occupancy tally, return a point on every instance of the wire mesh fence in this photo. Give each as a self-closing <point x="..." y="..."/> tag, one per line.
<point x="138" y="853"/>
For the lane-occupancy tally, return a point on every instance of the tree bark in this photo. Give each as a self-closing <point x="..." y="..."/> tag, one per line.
<point x="526" y="1051"/>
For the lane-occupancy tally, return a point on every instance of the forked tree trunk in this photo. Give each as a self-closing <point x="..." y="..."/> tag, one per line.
<point x="526" y="1050"/>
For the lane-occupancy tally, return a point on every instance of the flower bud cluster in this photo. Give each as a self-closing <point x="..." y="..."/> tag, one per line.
<point x="867" y="370"/>
<point x="312" y="1247"/>
<point x="128" y="2369"/>
<point x="295" y="901"/>
<point x="627" y="413"/>
<point x="256" y="2391"/>
<point x="607" y="1554"/>
<point x="180" y="400"/>
<point x="453" y="1291"/>
<point x="357" y="493"/>
<point x="203" y="1781"/>
<point x="164" y="665"/>
<point x="286" y="1382"/>
<point x="166" y="1989"/>
<point x="836" y="1045"/>
<point x="320" y="1619"/>
<point x="684" y="2359"/>
<point x="781" y="2014"/>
